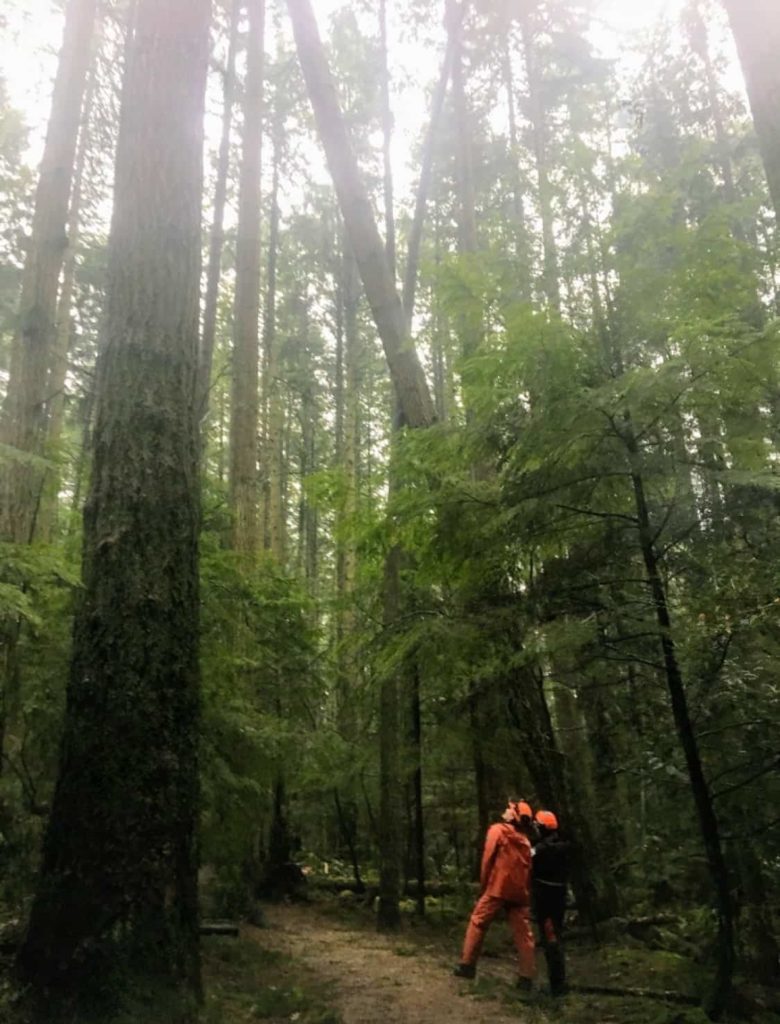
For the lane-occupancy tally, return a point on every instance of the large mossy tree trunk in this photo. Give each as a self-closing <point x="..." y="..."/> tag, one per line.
<point x="118" y="883"/>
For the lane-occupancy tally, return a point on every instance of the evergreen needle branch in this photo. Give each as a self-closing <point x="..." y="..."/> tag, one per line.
<point x="684" y="535"/>
<point x="643" y="635"/>
<point x="657" y="666"/>
<point x="775" y="764"/>
<point x="598" y="515"/>
<point x="768" y="722"/>
<point x="563" y="485"/>
<point x="662" y="525"/>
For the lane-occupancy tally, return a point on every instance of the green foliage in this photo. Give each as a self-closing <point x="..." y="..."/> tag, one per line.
<point x="259" y="676"/>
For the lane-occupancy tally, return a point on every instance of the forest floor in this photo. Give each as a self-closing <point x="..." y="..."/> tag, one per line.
<point x="319" y="964"/>
<point x="323" y="962"/>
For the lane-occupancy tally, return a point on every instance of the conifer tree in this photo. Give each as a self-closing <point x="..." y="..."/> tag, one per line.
<point x="118" y="884"/>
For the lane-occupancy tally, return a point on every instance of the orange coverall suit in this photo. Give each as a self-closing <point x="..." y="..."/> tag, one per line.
<point x="505" y="882"/>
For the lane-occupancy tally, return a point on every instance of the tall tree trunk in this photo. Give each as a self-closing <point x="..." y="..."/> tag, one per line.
<point x="760" y="938"/>
<point x="398" y="598"/>
<point x="118" y="883"/>
<point x="756" y="28"/>
<point x="424" y="182"/>
<point x="307" y="513"/>
<point x="387" y="141"/>
<point x="528" y="710"/>
<point x="270" y="427"/>
<point x="217" y="236"/>
<point x="550" y="273"/>
<point x="390" y="774"/>
<point x="418" y="830"/>
<point x="277" y="527"/>
<point x="58" y="370"/>
<point x="346" y="460"/>
<point x="24" y="409"/>
<point x="522" y="256"/>
<point x="702" y="798"/>
<point x="351" y="426"/>
<point x="246" y="346"/>
<point x="467" y="220"/>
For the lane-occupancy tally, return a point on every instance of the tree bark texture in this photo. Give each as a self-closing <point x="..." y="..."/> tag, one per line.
<point x="378" y="281"/>
<point x="24" y="412"/>
<point x="756" y="28"/>
<point x="118" y="882"/>
<point x="244" y="410"/>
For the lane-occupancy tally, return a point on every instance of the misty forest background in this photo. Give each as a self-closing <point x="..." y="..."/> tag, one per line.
<point x="349" y="563"/>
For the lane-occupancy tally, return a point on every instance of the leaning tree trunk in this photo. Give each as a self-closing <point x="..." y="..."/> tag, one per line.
<point x="24" y="411"/>
<point x="365" y="240"/>
<point x="756" y="28"/>
<point x="244" y="410"/>
<point x="118" y="883"/>
<point x="411" y="389"/>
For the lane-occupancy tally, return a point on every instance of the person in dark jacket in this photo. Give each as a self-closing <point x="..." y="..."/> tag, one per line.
<point x="504" y="885"/>
<point x="549" y="878"/>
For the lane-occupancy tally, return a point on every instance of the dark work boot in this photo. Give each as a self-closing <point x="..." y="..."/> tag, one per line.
<point x="556" y="968"/>
<point x="465" y="971"/>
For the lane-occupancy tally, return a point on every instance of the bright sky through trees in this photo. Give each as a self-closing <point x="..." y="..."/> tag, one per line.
<point x="32" y="31"/>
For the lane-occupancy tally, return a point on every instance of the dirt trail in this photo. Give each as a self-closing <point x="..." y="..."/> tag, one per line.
<point x="374" y="982"/>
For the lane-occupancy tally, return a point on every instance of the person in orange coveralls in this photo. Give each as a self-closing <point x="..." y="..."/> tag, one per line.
<point x="505" y="883"/>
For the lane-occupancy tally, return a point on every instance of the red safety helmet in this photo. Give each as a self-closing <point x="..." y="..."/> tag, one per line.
<point x="519" y="809"/>
<point x="547" y="820"/>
